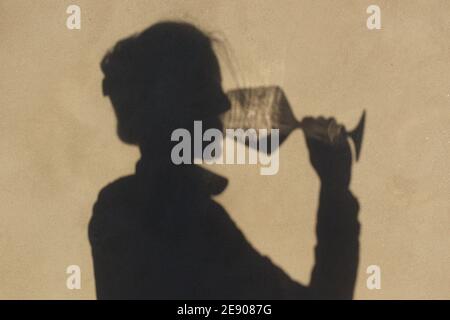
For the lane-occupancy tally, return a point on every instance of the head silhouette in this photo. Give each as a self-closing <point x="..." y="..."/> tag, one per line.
<point x="161" y="79"/>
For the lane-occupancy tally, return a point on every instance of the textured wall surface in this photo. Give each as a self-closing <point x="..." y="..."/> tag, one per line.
<point x="59" y="146"/>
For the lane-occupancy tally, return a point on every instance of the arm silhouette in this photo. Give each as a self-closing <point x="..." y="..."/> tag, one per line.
<point x="337" y="229"/>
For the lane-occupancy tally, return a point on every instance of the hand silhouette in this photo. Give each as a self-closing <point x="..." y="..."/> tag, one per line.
<point x="331" y="159"/>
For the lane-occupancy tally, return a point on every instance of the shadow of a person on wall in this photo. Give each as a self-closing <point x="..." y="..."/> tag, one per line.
<point x="158" y="234"/>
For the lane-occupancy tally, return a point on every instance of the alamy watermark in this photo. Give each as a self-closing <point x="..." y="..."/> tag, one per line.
<point x="73" y="281"/>
<point x="227" y="151"/>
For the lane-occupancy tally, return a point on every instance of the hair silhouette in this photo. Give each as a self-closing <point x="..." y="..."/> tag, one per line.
<point x="158" y="234"/>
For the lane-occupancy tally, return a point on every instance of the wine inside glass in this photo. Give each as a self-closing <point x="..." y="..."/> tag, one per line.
<point x="268" y="108"/>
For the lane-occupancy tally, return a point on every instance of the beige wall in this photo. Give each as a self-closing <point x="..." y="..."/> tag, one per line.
<point x="59" y="146"/>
